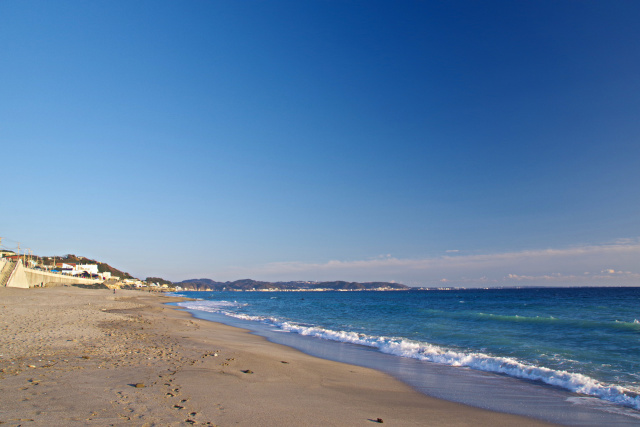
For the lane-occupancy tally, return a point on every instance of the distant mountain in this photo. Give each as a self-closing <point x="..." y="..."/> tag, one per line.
<point x="251" y="285"/>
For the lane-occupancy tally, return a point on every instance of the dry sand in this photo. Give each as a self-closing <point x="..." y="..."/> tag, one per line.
<point x="75" y="357"/>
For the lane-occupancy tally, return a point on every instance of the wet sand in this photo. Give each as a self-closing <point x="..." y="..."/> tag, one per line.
<point x="72" y="357"/>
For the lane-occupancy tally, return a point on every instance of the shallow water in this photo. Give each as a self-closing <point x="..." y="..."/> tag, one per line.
<point x="582" y="341"/>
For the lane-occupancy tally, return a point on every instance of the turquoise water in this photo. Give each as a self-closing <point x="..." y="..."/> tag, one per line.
<point x="585" y="340"/>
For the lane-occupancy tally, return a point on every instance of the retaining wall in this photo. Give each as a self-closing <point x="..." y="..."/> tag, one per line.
<point x="24" y="277"/>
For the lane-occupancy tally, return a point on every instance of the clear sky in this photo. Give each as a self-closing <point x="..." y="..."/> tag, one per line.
<point x="471" y="143"/>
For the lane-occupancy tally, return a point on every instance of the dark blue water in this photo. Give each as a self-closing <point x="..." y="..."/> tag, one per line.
<point x="583" y="340"/>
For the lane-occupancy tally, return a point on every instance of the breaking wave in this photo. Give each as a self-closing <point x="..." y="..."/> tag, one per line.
<point x="404" y="347"/>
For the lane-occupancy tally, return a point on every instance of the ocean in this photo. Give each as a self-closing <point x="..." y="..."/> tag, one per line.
<point x="573" y="353"/>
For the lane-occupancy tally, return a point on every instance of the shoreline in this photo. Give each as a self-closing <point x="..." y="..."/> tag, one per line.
<point x="472" y="387"/>
<point x="74" y="356"/>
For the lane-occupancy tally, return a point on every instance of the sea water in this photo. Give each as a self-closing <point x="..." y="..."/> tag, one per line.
<point x="582" y="341"/>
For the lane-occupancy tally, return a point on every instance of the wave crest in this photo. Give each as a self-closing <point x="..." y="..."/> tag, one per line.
<point x="404" y="347"/>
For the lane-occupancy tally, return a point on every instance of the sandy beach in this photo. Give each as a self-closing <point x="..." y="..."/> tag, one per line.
<point x="71" y="356"/>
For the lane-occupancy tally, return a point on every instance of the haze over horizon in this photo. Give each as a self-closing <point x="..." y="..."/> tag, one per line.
<point x="454" y="143"/>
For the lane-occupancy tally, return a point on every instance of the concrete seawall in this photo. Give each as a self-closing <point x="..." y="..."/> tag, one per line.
<point x="6" y="270"/>
<point x="23" y="277"/>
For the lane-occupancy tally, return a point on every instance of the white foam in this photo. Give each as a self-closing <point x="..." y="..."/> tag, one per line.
<point x="210" y="306"/>
<point x="403" y="347"/>
<point x="222" y="307"/>
<point x="424" y="351"/>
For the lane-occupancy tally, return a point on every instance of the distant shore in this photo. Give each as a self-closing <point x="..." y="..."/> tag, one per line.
<point x="73" y="356"/>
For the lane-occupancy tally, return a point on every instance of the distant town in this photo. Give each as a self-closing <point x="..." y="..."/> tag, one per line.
<point x="249" y="285"/>
<point x="27" y="270"/>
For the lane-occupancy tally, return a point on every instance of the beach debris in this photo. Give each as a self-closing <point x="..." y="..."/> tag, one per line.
<point x="139" y="385"/>
<point x="178" y="407"/>
<point x="247" y="371"/>
<point x="282" y="361"/>
<point x="379" y="420"/>
<point x="209" y="354"/>
<point x="32" y="366"/>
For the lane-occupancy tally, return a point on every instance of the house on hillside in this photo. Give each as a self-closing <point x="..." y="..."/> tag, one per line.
<point x="88" y="268"/>
<point x="65" y="265"/>
<point x="135" y="282"/>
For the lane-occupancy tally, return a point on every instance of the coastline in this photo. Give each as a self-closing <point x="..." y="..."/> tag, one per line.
<point x="74" y="356"/>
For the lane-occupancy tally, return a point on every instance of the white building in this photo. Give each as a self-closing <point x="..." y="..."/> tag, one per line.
<point x="89" y="268"/>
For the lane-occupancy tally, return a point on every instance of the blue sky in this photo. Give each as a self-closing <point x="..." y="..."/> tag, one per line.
<point x="459" y="142"/>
